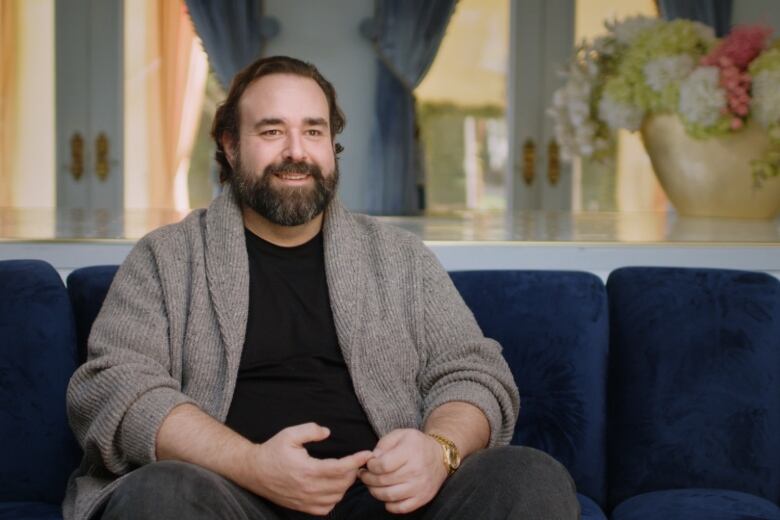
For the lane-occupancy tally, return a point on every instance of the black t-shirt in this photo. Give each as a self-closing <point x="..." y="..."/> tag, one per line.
<point x="292" y="370"/>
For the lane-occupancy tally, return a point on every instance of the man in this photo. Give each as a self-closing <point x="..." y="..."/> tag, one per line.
<point x="275" y="356"/>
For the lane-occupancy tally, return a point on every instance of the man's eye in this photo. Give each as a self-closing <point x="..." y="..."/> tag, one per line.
<point x="272" y="131"/>
<point x="314" y="132"/>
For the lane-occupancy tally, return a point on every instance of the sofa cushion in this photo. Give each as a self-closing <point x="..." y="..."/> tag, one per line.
<point x="589" y="510"/>
<point x="37" y="358"/>
<point x="30" y="511"/>
<point x="87" y="288"/>
<point x="694" y="386"/>
<point x="696" y="504"/>
<point x="553" y="328"/>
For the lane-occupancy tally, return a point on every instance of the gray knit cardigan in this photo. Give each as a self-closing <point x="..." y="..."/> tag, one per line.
<point x="172" y="329"/>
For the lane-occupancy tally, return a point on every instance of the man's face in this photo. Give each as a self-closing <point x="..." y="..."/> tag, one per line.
<point x="284" y="163"/>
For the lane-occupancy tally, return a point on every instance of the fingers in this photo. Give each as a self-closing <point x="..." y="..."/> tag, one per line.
<point x="359" y="459"/>
<point x="304" y="433"/>
<point x="382" y="479"/>
<point x="394" y="493"/>
<point x="385" y="462"/>
<point x="342" y="466"/>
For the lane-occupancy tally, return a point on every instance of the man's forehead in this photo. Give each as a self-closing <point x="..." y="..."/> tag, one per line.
<point x="284" y="96"/>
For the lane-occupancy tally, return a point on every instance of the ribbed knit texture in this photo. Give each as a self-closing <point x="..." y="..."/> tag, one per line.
<point x="172" y="329"/>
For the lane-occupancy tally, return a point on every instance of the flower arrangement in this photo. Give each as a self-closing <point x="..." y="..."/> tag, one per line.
<point x="646" y="66"/>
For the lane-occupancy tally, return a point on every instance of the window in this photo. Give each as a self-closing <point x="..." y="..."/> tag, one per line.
<point x="461" y="106"/>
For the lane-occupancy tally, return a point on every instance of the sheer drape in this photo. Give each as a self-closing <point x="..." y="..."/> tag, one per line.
<point x="231" y="31"/>
<point x="179" y="91"/>
<point x="8" y="99"/>
<point x="715" y="13"/>
<point x="165" y="83"/>
<point x="407" y="36"/>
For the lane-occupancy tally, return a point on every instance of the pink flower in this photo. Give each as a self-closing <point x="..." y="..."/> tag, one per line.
<point x="732" y="56"/>
<point x="739" y="48"/>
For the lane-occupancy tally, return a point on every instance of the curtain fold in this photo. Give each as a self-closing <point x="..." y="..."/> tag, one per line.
<point x="231" y="31"/>
<point x="407" y="37"/>
<point x="715" y="13"/>
<point x="181" y="88"/>
<point x="8" y="98"/>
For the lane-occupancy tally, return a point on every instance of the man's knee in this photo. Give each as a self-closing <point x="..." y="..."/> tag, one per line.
<point x="521" y="470"/>
<point x="162" y="489"/>
<point x="509" y="482"/>
<point x="525" y="466"/>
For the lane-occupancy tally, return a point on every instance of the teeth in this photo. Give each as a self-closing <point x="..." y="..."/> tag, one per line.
<point x="292" y="176"/>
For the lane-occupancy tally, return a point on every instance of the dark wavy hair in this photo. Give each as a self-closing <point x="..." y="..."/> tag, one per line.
<point x="227" y="117"/>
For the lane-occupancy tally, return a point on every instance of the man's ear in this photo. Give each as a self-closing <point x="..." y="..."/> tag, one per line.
<point x="230" y="149"/>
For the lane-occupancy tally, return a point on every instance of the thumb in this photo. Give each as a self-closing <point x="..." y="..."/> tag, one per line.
<point x="359" y="459"/>
<point x="308" y="432"/>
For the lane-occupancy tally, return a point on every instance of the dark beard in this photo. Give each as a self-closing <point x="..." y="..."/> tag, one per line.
<point x="285" y="206"/>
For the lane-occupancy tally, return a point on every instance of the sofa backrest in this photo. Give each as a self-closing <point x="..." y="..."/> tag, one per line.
<point x="37" y="357"/>
<point x="694" y="381"/>
<point x="554" y="331"/>
<point x="87" y="288"/>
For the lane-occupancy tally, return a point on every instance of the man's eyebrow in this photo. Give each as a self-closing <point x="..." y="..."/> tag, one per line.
<point x="268" y="121"/>
<point x="308" y="121"/>
<point x="315" y="121"/>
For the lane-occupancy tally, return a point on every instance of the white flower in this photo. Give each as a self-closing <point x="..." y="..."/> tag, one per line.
<point x="605" y="46"/>
<point x="766" y="97"/>
<point x="619" y="115"/>
<point x="706" y="33"/>
<point x="627" y="30"/>
<point x="701" y="99"/>
<point x="670" y="69"/>
<point x="575" y="128"/>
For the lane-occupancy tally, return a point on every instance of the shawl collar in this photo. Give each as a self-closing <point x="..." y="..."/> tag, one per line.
<point x="345" y="272"/>
<point x="227" y="272"/>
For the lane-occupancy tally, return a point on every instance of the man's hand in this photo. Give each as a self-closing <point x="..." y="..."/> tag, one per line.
<point x="406" y="472"/>
<point x="282" y="471"/>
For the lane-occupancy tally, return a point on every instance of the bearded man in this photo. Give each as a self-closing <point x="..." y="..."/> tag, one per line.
<point x="275" y="356"/>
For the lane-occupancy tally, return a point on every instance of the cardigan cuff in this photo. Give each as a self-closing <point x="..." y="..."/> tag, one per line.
<point x="143" y="420"/>
<point x="481" y="397"/>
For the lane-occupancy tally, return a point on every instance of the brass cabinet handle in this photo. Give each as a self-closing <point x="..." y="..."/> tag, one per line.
<point x="102" y="165"/>
<point x="529" y="160"/>
<point x="76" y="167"/>
<point x="553" y="162"/>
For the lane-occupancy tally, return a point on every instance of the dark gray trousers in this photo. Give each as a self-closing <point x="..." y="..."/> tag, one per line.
<point x="499" y="483"/>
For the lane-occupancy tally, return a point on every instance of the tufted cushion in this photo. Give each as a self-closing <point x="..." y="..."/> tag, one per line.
<point x="37" y="358"/>
<point x="696" y="504"/>
<point x="87" y="288"/>
<point x="553" y="327"/>
<point x="694" y="386"/>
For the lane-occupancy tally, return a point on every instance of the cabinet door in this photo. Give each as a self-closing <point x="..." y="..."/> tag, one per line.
<point x="542" y="35"/>
<point x="89" y="104"/>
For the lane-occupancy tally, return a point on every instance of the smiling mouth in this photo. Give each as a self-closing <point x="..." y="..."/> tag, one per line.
<point x="292" y="176"/>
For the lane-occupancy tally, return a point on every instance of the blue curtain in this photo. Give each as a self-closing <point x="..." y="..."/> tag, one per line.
<point x="231" y="31"/>
<point x="715" y="13"/>
<point x="406" y="34"/>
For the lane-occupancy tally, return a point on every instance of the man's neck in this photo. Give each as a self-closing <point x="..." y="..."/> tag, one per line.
<point x="283" y="236"/>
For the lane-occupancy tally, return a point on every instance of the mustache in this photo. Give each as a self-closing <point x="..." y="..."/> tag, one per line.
<point x="293" y="167"/>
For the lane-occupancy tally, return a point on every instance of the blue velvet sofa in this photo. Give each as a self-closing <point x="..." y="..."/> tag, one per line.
<point x="659" y="391"/>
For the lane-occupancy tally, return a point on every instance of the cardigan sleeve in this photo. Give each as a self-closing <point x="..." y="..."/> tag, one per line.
<point x="119" y="398"/>
<point x="462" y="364"/>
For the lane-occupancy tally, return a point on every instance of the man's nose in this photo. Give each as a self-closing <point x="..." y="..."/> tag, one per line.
<point x="294" y="149"/>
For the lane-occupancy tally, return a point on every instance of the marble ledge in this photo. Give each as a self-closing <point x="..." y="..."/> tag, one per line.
<point x="49" y="225"/>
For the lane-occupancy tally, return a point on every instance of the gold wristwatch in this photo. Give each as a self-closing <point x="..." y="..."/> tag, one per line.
<point x="451" y="453"/>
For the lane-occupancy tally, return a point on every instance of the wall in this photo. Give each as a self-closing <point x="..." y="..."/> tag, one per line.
<point x="758" y="11"/>
<point x="326" y="34"/>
